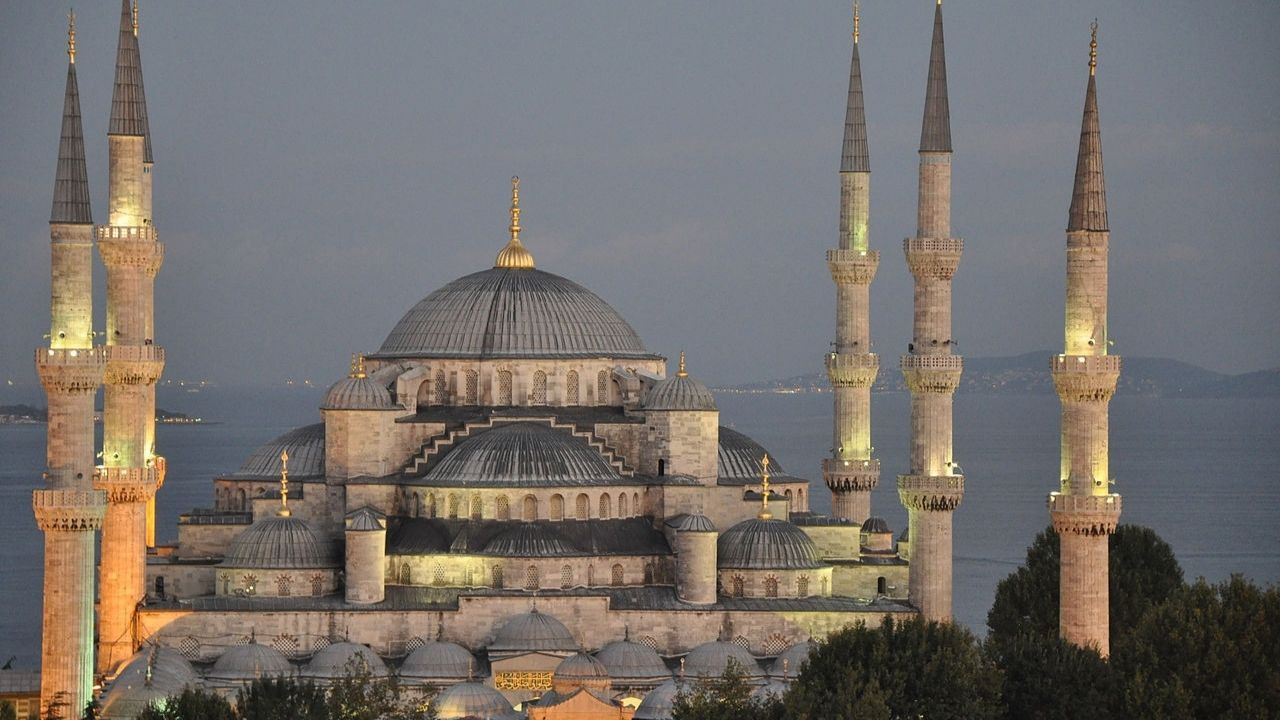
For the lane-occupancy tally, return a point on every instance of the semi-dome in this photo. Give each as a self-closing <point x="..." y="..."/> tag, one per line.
<point x="305" y="446"/>
<point x="709" y="660"/>
<point x="524" y="454"/>
<point x="766" y="545"/>
<point x="507" y="312"/>
<point x="439" y="661"/>
<point x="580" y="670"/>
<point x="628" y="660"/>
<point x="332" y="661"/>
<point x="530" y="540"/>
<point x="875" y="525"/>
<point x="359" y="392"/>
<point x="789" y="662"/>
<point x="282" y="543"/>
<point x="741" y="458"/>
<point x="472" y="700"/>
<point x="693" y="522"/>
<point x="152" y="675"/>
<point x="533" y="631"/>
<point x="246" y="663"/>
<point x="659" y="703"/>
<point x="680" y="392"/>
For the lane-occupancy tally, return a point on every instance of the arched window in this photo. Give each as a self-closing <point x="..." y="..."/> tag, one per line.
<point x="250" y="584"/>
<point x="539" y="388"/>
<point x="531" y="578"/>
<point x="405" y="576"/>
<point x="226" y="584"/>
<point x="557" y="507"/>
<point x="802" y="586"/>
<point x="635" y="504"/>
<point x="497" y="576"/>
<point x="602" y="388"/>
<point x="566" y="577"/>
<point x="442" y="389"/>
<point x="504" y="387"/>
<point x="882" y="586"/>
<point x="476" y="507"/>
<point x="437" y="574"/>
<point x="591" y="575"/>
<point x="622" y="505"/>
<point x="787" y="495"/>
<point x="739" y="586"/>
<point x="240" y="500"/>
<point x="317" y="585"/>
<point x="771" y="587"/>
<point x="472" y="396"/>
<point x="584" y="506"/>
<point x="530" y="508"/>
<point x="617" y="575"/>
<point x="430" y="509"/>
<point x="160" y="586"/>
<point x="800" y="506"/>
<point x="606" y="507"/>
<point x="453" y="506"/>
<point x="571" y="388"/>
<point x="648" y="573"/>
<point x="416" y="511"/>
<point x="824" y="587"/>
<point x="502" y="508"/>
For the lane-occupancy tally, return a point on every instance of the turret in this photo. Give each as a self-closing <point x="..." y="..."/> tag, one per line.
<point x="684" y="415"/>
<point x="851" y="473"/>
<point x="695" y="548"/>
<point x="68" y="509"/>
<point x="1084" y="510"/>
<point x="366" y="535"/>
<point x="934" y="487"/>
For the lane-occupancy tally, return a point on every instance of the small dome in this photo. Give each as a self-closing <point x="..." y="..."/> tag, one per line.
<point x="152" y="674"/>
<point x="680" y="392"/>
<point x="439" y="661"/>
<point x="659" y="703"/>
<point x="358" y="393"/>
<point x="694" y="522"/>
<point x="365" y="519"/>
<point x="709" y="660"/>
<point x="533" y="631"/>
<point x="628" y="660"/>
<point x="472" y="700"/>
<point x="332" y="661"/>
<point x="875" y="525"/>
<point x="283" y="543"/>
<point x="530" y="540"/>
<point x="793" y="657"/>
<point x="245" y="663"/>
<point x="305" y="446"/>
<point x="524" y="454"/>
<point x="766" y="545"/>
<point x="580" y="670"/>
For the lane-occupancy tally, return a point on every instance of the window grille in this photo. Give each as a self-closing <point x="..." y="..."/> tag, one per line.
<point x="438" y="575"/>
<point x="584" y="506"/>
<point x="566" y="577"/>
<point x="539" y="388"/>
<point x="476" y="507"/>
<point x="771" y="587"/>
<point x="283" y="585"/>
<point x="617" y="576"/>
<point x="571" y="388"/>
<point x="531" y="578"/>
<point x="442" y="389"/>
<point x="497" y="576"/>
<point x="775" y="644"/>
<point x="405" y="575"/>
<point x="453" y="506"/>
<point x="606" y="509"/>
<point x="602" y="388"/>
<point x="502" y="508"/>
<point x="650" y="642"/>
<point x="739" y="586"/>
<point x="317" y="585"/>
<point x="504" y="387"/>
<point x="472" y="388"/>
<point x="743" y="643"/>
<point x="189" y="647"/>
<point x="802" y="586"/>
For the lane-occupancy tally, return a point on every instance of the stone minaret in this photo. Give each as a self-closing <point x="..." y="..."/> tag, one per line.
<point x="131" y="471"/>
<point x="1084" y="511"/>
<point x="935" y="486"/>
<point x="69" y="510"/>
<point x="851" y="473"/>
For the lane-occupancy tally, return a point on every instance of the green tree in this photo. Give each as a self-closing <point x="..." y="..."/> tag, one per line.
<point x="8" y="711"/>
<point x="358" y="695"/>
<point x="1143" y="573"/>
<point x="908" y="669"/>
<point x="281" y="698"/>
<point x="190" y="704"/>
<point x="727" y="697"/>
<point x="1208" y="651"/>
<point x="1048" y="678"/>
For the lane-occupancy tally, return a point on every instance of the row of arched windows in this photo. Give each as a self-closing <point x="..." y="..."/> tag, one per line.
<point x="532" y="577"/>
<point x="435" y="389"/>
<point x="230" y="500"/>
<point x="738" y="586"/>
<point x="424" y="505"/>
<point x="284" y="584"/>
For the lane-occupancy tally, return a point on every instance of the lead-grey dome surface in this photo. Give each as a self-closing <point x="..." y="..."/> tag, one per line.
<point x="132" y="690"/>
<point x="793" y="657"/>
<point x="530" y="540"/>
<point x="277" y="543"/>
<point x="581" y="669"/>
<point x="305" y="446"/>
<point x="710" y="659"/>
<point x="741" y="458"/>
<point x="358" y="393"/>
<point x="875" y="525"/>
<point x="680" y="392"/>
<point x="766" y="545"/>
<point x="512" y="313"/>
<point x="628" y="660"/>
<point x="472" y="700"/>
<point x="524" y="454"/>
<point x="533" y="631"/>
<point x="439" y="661"/>
<point x="332" y="661"/>
<point x="659" y="703"/>
<point x="250" y="662"/>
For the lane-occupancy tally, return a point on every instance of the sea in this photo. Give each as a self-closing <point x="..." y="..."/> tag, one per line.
<point x="1201" y="472"/>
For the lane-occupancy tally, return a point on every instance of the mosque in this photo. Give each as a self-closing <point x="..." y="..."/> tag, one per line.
<point x="510" y="502"/>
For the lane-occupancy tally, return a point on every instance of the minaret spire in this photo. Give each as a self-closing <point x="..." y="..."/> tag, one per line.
<point x="514" y="255"/>
<point x="128" y="106"/>
<point x="71" y="184"/>
<point x="935" y="134"/>
<point x="851" y="473"/>
<point x="71" y="36"/>
<point x="1089" y="195"/>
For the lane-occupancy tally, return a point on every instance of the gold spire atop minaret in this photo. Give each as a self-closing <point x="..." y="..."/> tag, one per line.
<point x="284" y="485"/>
<point x="1093" y="47"/>
<point x="681" y="372"/>
<point x="514" y="255"/>
<point x="857" y="21"/>
<point x="764" y="489"/>
<point x="135" y="18"/>
<point x="71" y="36"/>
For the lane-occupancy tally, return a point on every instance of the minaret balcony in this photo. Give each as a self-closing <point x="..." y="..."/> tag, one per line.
<point x="127" y="484"/>
<point x="69" y="510"/>
<point x="135" y="233"/>
<point x="933" y="493"/>
<point x="134" y="364"/>
<point x="847" y="370"/>
<point x="851" y="475"/>
<point x="933" y="258"/>
<point x="1085" y="378"/>
<point x="1091" y="515"/>
<point x="927" y="245"/>
<point x="856" y="267"/>
<point x="932" y="373"/>
<point x="71" y="370"/>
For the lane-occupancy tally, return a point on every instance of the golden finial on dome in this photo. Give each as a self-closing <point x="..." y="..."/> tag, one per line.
<point x="514" y="255"/>
<point x="1093" y="47"/>
<point x="135" y="18"/>
<point x="857" y="20"/>
<point x="764" y="489"/>
<point x="681" y="372"/>
<point x="284" y="485"/>
<point x="71" y="36"/>
<point x="360" y="366"/>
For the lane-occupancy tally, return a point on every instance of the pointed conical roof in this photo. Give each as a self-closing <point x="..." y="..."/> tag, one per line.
<point x="128" y="105"/>
<point x="935" y="134"/>
<point x="1089" y="197"/>
<point x="855" y="157"/>
<point x="71" y="184"/>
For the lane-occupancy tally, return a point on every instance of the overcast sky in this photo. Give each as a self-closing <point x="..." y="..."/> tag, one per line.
<point x="321" y="166"/>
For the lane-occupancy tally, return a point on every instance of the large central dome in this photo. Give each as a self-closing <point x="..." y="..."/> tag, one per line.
<point x="512" y="313"/>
